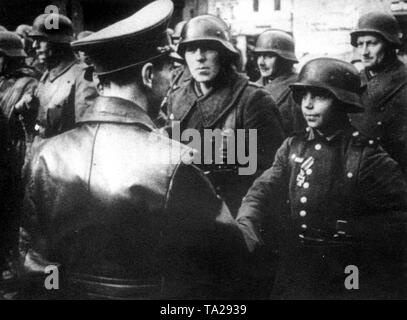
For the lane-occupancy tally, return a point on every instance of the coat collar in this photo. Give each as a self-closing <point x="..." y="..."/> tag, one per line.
<point x="314" y="135"/>
<point x="59" y="70"/>
<point x="213" y="105"/>
<point x="291" y="75"/>
<point x="385" y="84"/>
<point x="280" y="85"/>
<point x="116" y="110"/>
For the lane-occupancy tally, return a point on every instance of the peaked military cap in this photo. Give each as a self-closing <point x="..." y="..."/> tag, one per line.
<point x="137" y="39"/>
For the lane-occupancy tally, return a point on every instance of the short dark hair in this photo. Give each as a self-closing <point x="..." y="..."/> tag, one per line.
<point x="133" y="74"/>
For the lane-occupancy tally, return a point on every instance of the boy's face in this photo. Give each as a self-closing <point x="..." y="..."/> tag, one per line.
<point x="317" y="108"/>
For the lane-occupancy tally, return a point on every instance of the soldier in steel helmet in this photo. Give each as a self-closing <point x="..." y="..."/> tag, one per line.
<point x="122" y="209"/>
<point x="23" y="30"/>
<point x="332" y="199"/>
<point x="275" y="52"/>
<point x="81" y="56"/>
<point x="17" y="84"/>
<point x="384" y="84"/>
<point x="64" y="91"/>
<point x="215" y="96"/>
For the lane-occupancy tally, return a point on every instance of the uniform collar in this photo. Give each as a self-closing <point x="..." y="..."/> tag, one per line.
<point x="116" y="110"/>
<point x="313" y="134"/>
<point x="393" y="69"/>
<point x="280" y="77"/>
<point x="59" y="70"/>
<point x="385" y="84"/>
<point x="215" y="103"/>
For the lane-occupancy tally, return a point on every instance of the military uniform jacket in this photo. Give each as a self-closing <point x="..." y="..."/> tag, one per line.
<point x="234" y="103"/>
<point x="118" y="206"/>
<point x="63" y="95"/>
<point x="328" y="203"/>
<point x="385" y="118"/>
<point x="279" y="89"/>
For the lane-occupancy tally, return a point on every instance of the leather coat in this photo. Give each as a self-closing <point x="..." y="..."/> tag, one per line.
<point x="120" y="209"/>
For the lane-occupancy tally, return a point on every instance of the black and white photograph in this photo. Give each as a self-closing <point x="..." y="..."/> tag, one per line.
<point x="203" y="154"/>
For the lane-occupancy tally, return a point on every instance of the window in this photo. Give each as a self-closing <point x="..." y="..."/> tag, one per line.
<point x="256" y="5"/>
<point x="277" y="5"/>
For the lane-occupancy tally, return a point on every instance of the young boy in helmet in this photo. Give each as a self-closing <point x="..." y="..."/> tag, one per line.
<point x="332" y="198"/>
<point x="275" y="53"/>
<point x="215" y="96"/>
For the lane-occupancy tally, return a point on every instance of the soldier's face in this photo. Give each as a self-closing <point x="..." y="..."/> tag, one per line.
<point x="267" y="64"/>
<point x="42" y="49"/>
<point x="372" y="51"/>
<point x="161" y="80"/>
<point x="317" y="108"/>
<point x="203" y="61"/>
<point x="83" y="57"/>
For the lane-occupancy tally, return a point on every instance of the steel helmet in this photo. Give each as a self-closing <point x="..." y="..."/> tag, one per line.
<point x="11" y="44"/>
<point x="23" y="30"/>
<point x="63" y="34"/>
<point x="206" y="28"/>
<point x="379" y="23"/>
<point x="338" y="77"/>
<point x="278" y="42"/>
<point x="178" y="29"/>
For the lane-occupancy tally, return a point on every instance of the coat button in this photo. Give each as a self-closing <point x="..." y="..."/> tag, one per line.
<point x="304" y="226"/>
<point x="355" y="134"/>
<point x="318" y="147"/>
<point x="371" y="142"/>
<point x="308" y="172"/>
<point x="350" y="175"/>
<point x="306" y="185"/>
<point x="304" y="200"/>
<point x="303" y="213"/>
<point x="379" y="123"/>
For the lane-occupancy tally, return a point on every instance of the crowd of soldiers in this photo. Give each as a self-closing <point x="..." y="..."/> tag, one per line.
<point x="91" y="185"/>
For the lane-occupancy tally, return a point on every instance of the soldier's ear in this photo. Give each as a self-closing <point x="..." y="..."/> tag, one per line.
<point x="147" y="74"/>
